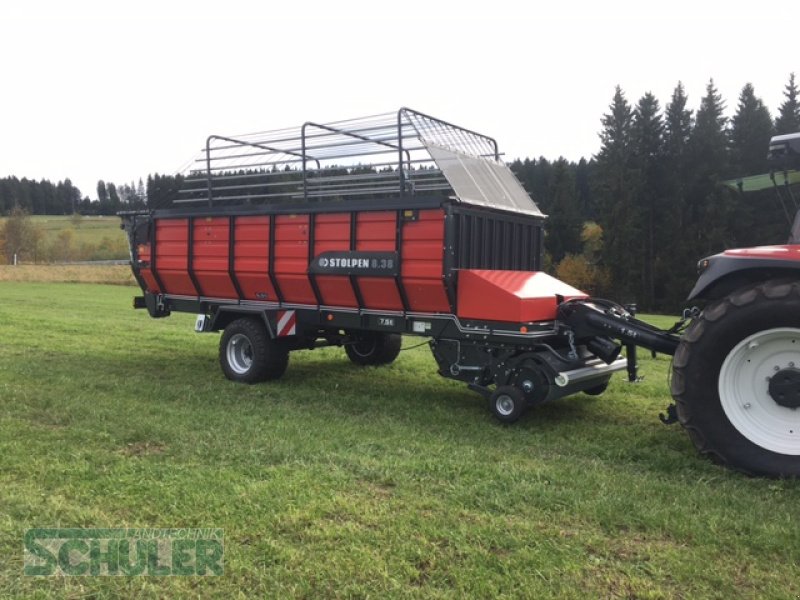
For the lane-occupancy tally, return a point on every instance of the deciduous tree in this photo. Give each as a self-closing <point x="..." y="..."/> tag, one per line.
<point x="19" y="235"/>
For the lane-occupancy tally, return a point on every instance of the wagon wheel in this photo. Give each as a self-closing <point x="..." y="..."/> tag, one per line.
<point x="374" y="349"/>
<point x="248" y="355"/>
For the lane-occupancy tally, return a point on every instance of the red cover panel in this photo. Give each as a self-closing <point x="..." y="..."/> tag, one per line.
<point x="376" y="231"/>
<point x="332" y="233"/>
<point x="291" y="259"/>
<point x="251" y="258"/>
<point x="210" y="260"/>
<point x="172" y="256"/>
<point x="146" y="273"/>
<point x="421" y="262"/>
<point x="516" y="296"/>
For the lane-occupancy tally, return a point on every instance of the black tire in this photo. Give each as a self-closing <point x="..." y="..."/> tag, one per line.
<point x="508" y="403"/>
<point x="597" y="389"/>
<point x="374" y="348"/>
<point x="248" y="355"/>
<point x="721" y="377"/>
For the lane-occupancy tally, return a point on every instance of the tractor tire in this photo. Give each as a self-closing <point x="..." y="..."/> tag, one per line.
<point x="736" y="380"/>
<point x="374" y="348"/>
<point x="508" y="403"/>
<point x="248" y="355"/>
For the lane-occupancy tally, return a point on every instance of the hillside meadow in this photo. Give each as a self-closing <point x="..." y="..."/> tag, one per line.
<point x="62" y="238"/>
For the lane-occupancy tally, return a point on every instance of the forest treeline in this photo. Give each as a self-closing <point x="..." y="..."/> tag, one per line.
<point x="630" y="222"/>
<point x="653" y="193"/>
<point x="63" y="198"/>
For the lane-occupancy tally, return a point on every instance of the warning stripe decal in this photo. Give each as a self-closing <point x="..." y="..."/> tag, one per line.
<point x="287" y="323"/>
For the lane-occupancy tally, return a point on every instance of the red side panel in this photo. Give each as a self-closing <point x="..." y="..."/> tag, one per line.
<point x="291" y="259"/>
<point x="376" y="232"/>
<point x="421" y="262"/>
<point x="210" y="260"/>
<point x="143" y="253"/>
<point x="516" y="296"/>
<point x="251" y="258"/>
<point x="332" y="233"/>
<point x="172" y="256"/>
<point x="420" y="257"/>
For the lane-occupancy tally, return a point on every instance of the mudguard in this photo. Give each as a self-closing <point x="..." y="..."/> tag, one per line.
<point x="721" y="273"/>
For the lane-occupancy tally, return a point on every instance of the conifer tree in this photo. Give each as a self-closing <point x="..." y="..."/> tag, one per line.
<point x="788" y="120"/>
<point x="706" y="226"/>
<point x="565" y="222"/>
<point x="647" y="137"/>
<point x="675" y="264"/>
<point x="755" y="217"/>
<point x="751" y="129"/>
<point x="583" y="189"/>
<point x="614" y="181"/>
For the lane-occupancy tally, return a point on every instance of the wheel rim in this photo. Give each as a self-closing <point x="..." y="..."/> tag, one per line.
<point x="240" y="353"/>
<point x="744" y="382"/>
<point x="504" y="404"/>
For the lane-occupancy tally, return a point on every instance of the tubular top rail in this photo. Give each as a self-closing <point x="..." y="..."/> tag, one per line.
<point x="274" y="164"/>
<point x="235" y="141"/>
<point x="353" y="134"/>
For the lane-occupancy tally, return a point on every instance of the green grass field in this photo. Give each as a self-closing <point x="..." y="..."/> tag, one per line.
<point x="86" y="230"/>
<point x="340" y="481"/>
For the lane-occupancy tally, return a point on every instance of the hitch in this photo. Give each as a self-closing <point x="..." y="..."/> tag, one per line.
<point x="592" y="318"/>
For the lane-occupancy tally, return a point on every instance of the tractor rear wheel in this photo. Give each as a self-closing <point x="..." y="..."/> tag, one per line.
<point x="247" y="355"/>
<point x="736" y="380"/>
<point x="374" y="348"/>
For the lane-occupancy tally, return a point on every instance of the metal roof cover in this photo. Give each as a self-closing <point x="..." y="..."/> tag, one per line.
<point x="483" y="181"/>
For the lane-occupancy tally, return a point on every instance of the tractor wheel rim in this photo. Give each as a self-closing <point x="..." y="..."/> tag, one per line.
<point x="240" y="353"/>
<point x="744" y="382"/>
<point x="504" y="404"/>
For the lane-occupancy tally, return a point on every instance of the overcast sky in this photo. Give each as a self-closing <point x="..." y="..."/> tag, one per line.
<point x="109" y="91"/>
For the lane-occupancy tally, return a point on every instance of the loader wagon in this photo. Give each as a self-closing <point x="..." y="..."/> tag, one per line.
<point x="358" y="232"/>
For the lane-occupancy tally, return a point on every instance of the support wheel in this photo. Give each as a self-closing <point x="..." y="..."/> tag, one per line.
<point x="508" y="403"/>
<point x="736" y="380"/>
<point x="247" y="355"/>
<point x="374" y="349"/>
<point x="597" y="389"/>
